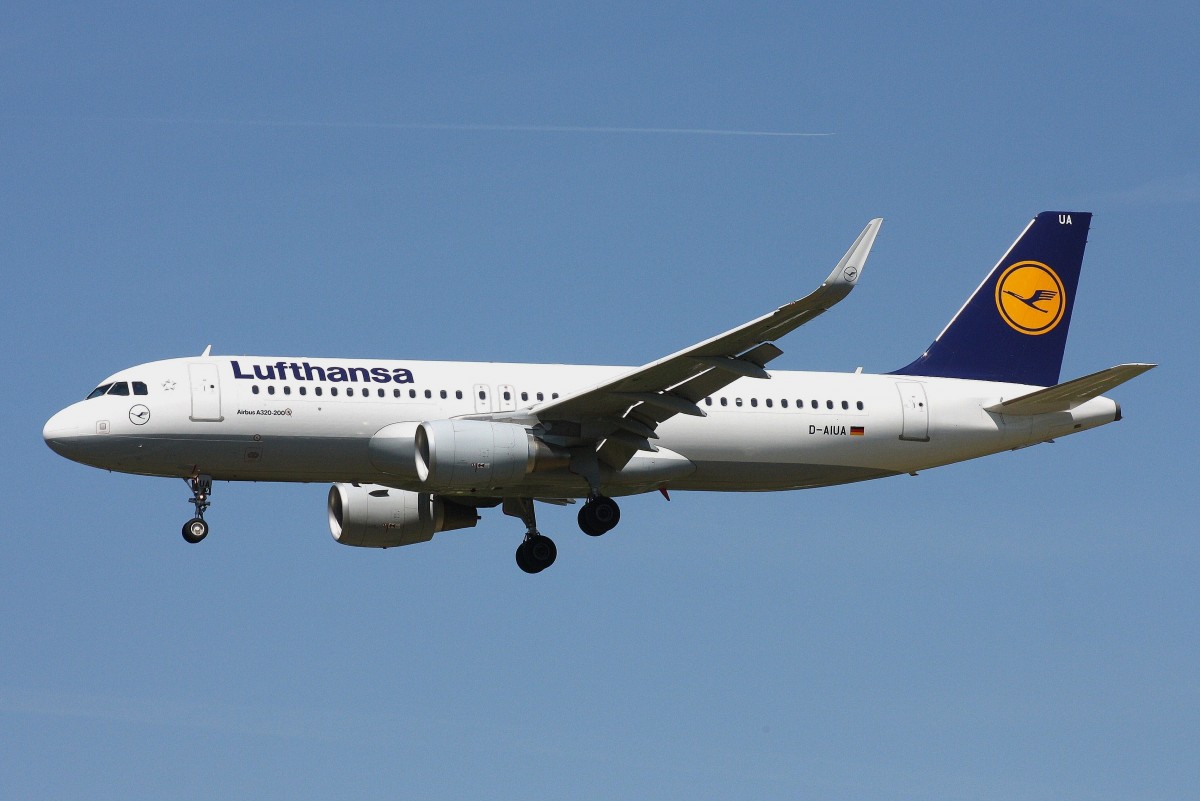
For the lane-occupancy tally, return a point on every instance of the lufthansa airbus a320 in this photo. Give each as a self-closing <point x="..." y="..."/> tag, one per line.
<point x="413" y="448"/>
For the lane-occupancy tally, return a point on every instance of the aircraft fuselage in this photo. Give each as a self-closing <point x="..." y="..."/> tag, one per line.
<point x="312" y="420"/>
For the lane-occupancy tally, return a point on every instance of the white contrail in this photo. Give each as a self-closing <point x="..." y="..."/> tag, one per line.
<point x="445" y="126"/>
<point x="590" y="129"/>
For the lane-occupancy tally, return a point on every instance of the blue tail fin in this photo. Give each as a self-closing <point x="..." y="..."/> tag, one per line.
<point x="1014" y="328"/>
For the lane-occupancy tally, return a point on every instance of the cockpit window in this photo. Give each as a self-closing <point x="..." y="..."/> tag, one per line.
<point x="118" y="388"/>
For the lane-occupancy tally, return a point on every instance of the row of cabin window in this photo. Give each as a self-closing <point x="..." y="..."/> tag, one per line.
<point x="783" y="404"/>
<point x="396" y="393"/>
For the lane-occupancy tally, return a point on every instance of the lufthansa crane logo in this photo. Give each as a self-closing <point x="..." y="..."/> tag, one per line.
<point x="1030" y="297"/>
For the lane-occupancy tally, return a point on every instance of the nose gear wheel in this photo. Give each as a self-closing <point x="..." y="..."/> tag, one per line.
<point x="196" y="529"/>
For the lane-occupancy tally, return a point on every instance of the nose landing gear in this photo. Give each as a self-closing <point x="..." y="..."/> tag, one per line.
<point x="196" y="529"/>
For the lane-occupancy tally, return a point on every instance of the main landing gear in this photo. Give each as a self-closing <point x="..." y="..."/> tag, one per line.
<point x="196" y="529"/>
<point x="599" y="515"/>
<point x="537" y="551"/>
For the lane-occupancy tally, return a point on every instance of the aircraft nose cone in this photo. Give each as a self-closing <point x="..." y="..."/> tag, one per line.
<point x="58" y="430"/>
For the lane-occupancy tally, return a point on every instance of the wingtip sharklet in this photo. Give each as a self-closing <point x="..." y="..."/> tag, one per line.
<point x="849" y="269"/>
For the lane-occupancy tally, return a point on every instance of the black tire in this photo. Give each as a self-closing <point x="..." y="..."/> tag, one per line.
<point x="599" y="516"/>
<point x="542" y="552"/>
<point x="587" y="523"/>
<point x="523" y="560"/>
<point x="195" y="530"/>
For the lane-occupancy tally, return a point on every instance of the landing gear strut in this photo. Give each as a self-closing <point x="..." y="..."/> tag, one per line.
<point x="537" y="552"/>
<point x="599" y="515"/>
<point x="196" y="529"/>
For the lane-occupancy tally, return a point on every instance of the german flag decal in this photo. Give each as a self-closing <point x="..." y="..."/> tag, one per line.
<point x="857" y="431"/>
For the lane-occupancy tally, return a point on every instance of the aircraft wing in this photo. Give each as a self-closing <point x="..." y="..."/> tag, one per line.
<point x="624" y="411"/>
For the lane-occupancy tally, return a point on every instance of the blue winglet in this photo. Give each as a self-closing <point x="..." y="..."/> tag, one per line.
<point x="1014" y="328"/>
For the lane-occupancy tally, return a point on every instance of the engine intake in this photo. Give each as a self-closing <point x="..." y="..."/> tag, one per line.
<point x="371" y="516"/>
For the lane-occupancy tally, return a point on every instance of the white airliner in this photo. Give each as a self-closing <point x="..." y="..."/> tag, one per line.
<point x="418" y="447"/>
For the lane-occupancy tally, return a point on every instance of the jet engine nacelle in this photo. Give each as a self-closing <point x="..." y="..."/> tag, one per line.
<point x="371" y="516"/>
<point x="470" y="454"/>
<point x="462" y="454"/>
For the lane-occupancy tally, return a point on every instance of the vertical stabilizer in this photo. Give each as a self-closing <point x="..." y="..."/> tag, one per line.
<point x="1014" y="328"/>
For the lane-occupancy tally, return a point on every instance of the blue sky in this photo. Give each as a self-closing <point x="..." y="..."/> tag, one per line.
<point x="335" y="181"/>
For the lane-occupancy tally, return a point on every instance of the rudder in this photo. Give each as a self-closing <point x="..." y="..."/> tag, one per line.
<point x="1014" y="327"/>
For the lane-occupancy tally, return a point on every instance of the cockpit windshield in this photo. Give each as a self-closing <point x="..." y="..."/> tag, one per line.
<point x="119" y="388"/>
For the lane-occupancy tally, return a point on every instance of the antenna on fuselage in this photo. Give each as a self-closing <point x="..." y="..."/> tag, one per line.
<point x="207" y="350"/>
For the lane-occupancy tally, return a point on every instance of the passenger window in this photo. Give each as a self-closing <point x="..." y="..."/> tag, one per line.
<point x="754" y="402"/>
<point x="783" y="403"/>
<point x="724" y="401"/>
<point x="287" y="389"/>
<point x="770" y="403"/>
<point x="412" y="393"/>
<point x="816" y="405"/>
<point x="828" y="404"/>
<point x="860" y="406"/>
<point x="139" y="388"/>
<point x="458" y="394"/>
<point x="708" y="401"/>
<point x="254" y="389"/>
<point x="554" y="396"/>
<point x="395" y="393"/>
<point x="271" y="389"/>
<point x="333" y="391"/>
<point x="120" y="388"/>
<point x="443" y="394"/>
<point x="98" y="391"/>
<point x="303" y="390"/>
<point x="845" y="405"/>
<point x="524" y="396"/>
<point x="540" y="396"/>
<point x="482" y="395"/>
<point x="317" y="391"/>
<point x="428" y="394"/>
<point x="507" y="395"/>
<point x="350" y="392"/>
<point x="737" y="401"/>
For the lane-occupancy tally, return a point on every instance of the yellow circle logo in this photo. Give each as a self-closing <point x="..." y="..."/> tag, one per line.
<point x="1030" y="297"/>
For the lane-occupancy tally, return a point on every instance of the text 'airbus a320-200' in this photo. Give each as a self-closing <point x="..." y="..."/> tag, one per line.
<point x="413" y="448"/>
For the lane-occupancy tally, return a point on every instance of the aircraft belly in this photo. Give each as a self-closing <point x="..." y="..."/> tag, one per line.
<point x="770" y="476"/>
<point x="239" y="458"/>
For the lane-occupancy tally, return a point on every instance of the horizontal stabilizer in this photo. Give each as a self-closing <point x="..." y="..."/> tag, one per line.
<point x="1066" y="396"/>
